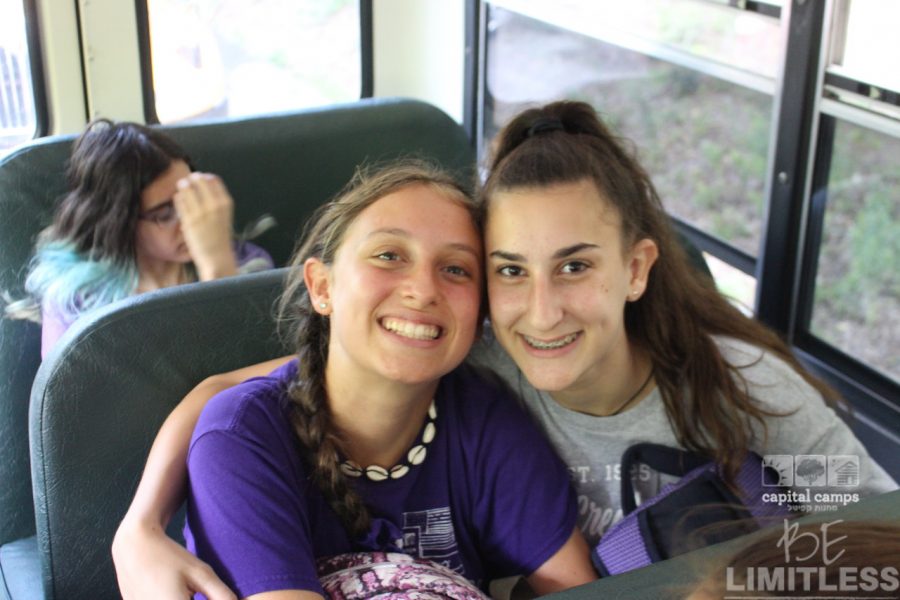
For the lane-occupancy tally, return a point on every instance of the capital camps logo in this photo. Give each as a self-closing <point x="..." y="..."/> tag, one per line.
<point x="811" y="470"/>
<point x="811" y="567"/>
<point x="811" y="482"/>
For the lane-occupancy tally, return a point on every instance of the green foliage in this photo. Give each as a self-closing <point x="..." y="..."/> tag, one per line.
<point x="873" y="262"/>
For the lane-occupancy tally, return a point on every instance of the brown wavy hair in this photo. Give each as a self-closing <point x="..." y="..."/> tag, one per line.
<point x="706" y="398"/>
<point x="111" y="164"/>
<point x="309" y="330"/>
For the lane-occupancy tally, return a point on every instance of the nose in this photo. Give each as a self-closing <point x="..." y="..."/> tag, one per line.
<point x="544" y="307"/>
<point x="421" y="289"/>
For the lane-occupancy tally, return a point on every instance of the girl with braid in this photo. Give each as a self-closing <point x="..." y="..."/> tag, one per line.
<point x="373" y="438"/>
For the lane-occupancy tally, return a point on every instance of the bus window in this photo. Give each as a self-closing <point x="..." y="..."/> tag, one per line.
<point x="690" y="83"/>
<point x="865" y="46"/>
<point x="851" y="295"/>
<point x="223" y="58"/>
<point x="857" y="290"/>
<point x="733" y="283"/>
<point x="17" y="111"/>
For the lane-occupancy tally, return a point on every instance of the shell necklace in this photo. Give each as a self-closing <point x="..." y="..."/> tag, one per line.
<point x="415" y="456"/>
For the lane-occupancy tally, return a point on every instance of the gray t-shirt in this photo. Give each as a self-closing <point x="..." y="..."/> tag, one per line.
<point x="807" y="445"/>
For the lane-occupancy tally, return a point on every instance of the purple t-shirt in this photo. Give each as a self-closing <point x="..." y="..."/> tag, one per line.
<point x="490" y="500"/>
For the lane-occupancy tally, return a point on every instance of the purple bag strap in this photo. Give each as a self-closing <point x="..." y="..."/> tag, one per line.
<point x="663" y="459"/>
<point x="626" y="553"/>
<point x="623" y="547"/>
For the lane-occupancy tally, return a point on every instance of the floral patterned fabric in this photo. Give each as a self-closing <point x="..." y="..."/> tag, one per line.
<point x="391" y="576"/>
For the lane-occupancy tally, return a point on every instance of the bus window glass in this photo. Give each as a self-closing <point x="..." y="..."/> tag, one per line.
<point x="857" y="292"/>
<point x="697" y="27"/>
<point x="865" y="46"/>
<point x="233" y="58"/>
<point x="690" y="83"/>
<point x="734" y="284"/>
<point x="17" y="114"/>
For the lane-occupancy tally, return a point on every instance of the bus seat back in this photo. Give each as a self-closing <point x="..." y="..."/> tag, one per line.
<point x="101" y="395"/>
<point x="31" y="179"/>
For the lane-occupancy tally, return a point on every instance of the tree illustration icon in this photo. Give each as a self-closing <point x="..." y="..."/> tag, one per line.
<point x="810" y="470"/>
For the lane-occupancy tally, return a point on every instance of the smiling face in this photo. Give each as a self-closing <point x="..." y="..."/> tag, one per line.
<point x="159" y="238"/>
<point x="403" y="292"/>
<point x="558" y="281"/>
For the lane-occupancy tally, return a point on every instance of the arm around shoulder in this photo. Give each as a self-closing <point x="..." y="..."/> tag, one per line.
<point x="568" y="567"/>
<point x="145" y="557"/>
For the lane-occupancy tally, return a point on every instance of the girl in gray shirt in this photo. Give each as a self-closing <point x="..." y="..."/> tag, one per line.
<point x="612" y="338"/>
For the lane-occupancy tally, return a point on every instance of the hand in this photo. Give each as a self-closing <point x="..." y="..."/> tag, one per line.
<point x="206" y="211"/>
<point x="150" y="565"/>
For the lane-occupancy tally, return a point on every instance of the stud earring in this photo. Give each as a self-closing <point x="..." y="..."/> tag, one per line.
<point x="323" y="305"/>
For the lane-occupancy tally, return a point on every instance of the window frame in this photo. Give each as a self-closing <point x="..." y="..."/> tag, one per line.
<point x="367" y="77"/>
<point x="36" y="66"/>
<point x="36" y="60"/>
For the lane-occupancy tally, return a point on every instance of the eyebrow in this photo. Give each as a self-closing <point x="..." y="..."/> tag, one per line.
<point x="561" y="253"/>
<point x="160" y="206"/>
<point x="389" y="231"/>
<point x="405" y="234"/>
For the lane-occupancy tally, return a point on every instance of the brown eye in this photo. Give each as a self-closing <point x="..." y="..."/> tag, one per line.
<point x="458" y="271"/>
<point x="510" y="271"/>
<point x="575" y="266"/>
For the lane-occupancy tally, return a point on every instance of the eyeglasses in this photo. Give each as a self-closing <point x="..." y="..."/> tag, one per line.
<point x="164" y="215"/>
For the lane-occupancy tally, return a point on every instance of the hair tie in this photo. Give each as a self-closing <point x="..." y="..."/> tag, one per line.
<point x="543" y="125"/>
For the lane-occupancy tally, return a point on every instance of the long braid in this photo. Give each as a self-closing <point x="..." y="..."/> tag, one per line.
<point x="309" y="407"/>
<point x="311" y="418"/>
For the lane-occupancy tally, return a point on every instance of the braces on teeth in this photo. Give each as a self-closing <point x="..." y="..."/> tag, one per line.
<point x="551" y="345"/>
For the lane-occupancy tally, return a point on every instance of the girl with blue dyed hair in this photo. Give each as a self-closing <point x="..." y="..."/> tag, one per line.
<point x="135" y="219"/>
